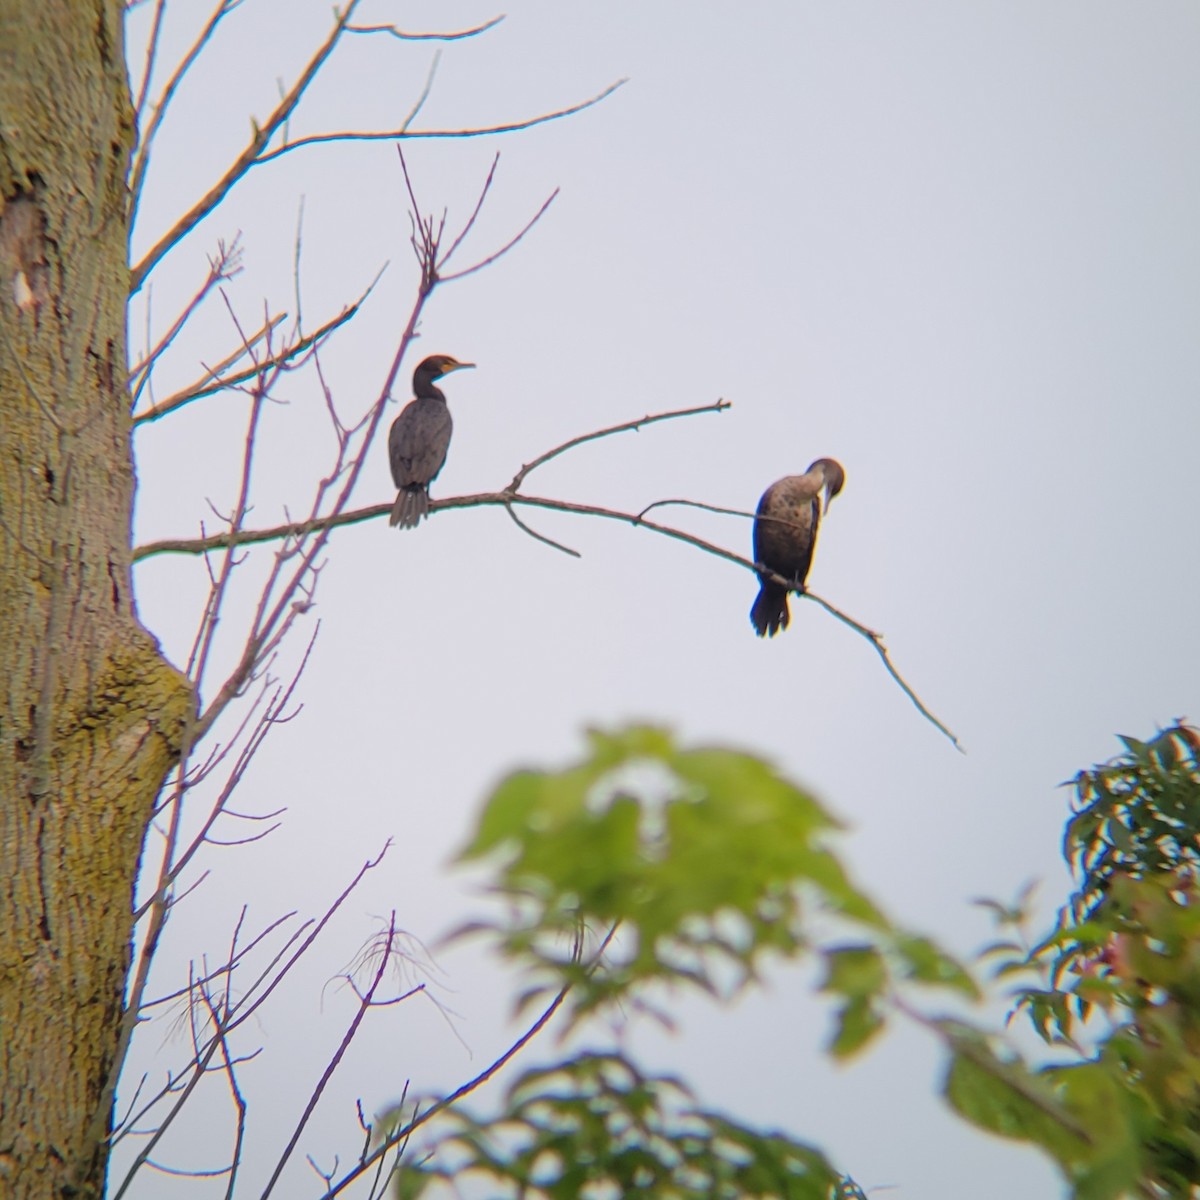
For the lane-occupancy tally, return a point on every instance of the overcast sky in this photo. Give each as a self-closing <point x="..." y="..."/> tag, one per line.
<point x="954" y="246"/>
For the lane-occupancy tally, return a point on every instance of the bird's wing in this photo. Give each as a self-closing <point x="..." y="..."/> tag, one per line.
<point x="786" y="528"/>
<point x="760" y="527"/>
<point x="418" y="441"/>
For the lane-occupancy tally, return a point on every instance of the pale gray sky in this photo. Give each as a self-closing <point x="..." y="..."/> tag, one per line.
<point x="954" y="246"/>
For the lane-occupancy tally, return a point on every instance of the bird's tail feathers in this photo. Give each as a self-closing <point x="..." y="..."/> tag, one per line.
<point x="411" y="505"/>
<point x="770" y="612"/>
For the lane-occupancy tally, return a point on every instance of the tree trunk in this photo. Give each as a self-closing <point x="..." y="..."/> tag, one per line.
<point x="92" y="715"/>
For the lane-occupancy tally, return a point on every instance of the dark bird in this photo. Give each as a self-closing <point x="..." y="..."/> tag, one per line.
<point x="785" y="533"/>
<point x="419" y="439"/>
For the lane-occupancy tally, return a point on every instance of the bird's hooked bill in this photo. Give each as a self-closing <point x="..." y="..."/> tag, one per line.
<point x="457" y="366"/>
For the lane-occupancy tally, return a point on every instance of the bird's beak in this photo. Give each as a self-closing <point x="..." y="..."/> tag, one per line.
<point x="828" y="498"/>
<point x="458" y="367"/>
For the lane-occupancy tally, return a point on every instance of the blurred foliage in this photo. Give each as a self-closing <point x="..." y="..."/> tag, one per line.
<point x="650" y="866"/>
<point x="703" y="863"/>
<point x="1116" y="982"/>
<point x="595" y="1126"/>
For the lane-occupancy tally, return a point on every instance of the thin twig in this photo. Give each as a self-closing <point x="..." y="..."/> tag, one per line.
<point x="470" y="224"/>
<point x="541" y="537"/>
<point x="385" y="1147"/>
<point x="141" y="159"/>
<point x="242" y="1012"/>
<point x="625" y="426"/>
<point x="392" y="135"/>
<point x="235" y="1091"/>
<point x="712" y="508"/>
<point x="876" y="640"/>
<point x="401" y="1135"/>
<point x="509" y="245"/>
<point x="226" y="264"/>
<point x="212" y="381"/>
<point x="456" y="36"/>
<point x="318" y="1091"/>
<point x="251" y="155"/>
<point x="151" y="54"/>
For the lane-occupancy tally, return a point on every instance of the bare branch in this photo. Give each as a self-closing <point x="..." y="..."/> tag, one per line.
<point x="540" y="537"/>
<point x="139" y="103"/>
<point x="214" y="381"/>
<point x="395" y="135"/>
<point x="508" y="498"/>
<point x="257" y="144"/>
<point x="401" y="1135"/>
<point x="509" y="245"/>
<point x="228" y="966"/>
<point x="386" y="1146"/>
<point x="458" y="35"/>
<point x="146" y="141"/>
<point x="225" y="265"/>
<point x="520" y="477"/>
<point x="235" y="1091"/>
<point x="256" y="996"/>
<point x="483" y="193"/>
<point x="876" y="640"/>
<point x="712" y="508"/>
<point x="318" y="1091"/>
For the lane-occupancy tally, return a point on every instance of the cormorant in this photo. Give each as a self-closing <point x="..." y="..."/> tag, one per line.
<point x="419" y="439"/>
<point x="785" y="532"/>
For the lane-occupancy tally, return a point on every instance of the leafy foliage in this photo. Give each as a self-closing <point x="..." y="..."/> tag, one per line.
<point x="706" y="860"/>
<point x="708" y="863"/>
<point x="1118" y="986"/>
<point x="1135" y="816"/>
<point x="596" y="1126"/>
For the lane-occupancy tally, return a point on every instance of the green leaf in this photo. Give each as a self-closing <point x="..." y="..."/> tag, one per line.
<point x="857" y="1022"/>
<point x="854" y="971"/>
<point x="927" y="963"/>
<point x="596" y="1125"/>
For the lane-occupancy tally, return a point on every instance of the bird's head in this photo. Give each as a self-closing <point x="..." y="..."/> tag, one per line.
<point x="437" y="365"/>
<point x="833" y="478"/>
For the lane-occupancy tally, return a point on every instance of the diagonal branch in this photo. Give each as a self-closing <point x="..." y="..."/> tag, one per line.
<point x="624" y="427"/>
<point x="403" y="35"/>
<point x="399" y="1136"/>
<point x="214" y="381"/>
<point x="141" y="160"/>
<point x="712" y="508"/>
<point x="507" y="499"/>
<point x="509" y="245"/>
<point x="252" y="153"/>
<point x="139" y="102"/>
<point x="365" y="1004"/>
<point x="225" y="265"/>
<point x="392" y="135"/>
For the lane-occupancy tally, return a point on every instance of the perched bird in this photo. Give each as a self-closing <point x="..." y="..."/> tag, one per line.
<point x="785" y="533"/>
<point x="419" y="439"/>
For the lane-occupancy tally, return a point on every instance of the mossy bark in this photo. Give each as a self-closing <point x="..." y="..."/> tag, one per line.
<point x="91" y="715"/>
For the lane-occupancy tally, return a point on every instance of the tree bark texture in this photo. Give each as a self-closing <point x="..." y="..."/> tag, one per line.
<point x="91" y="715"/>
